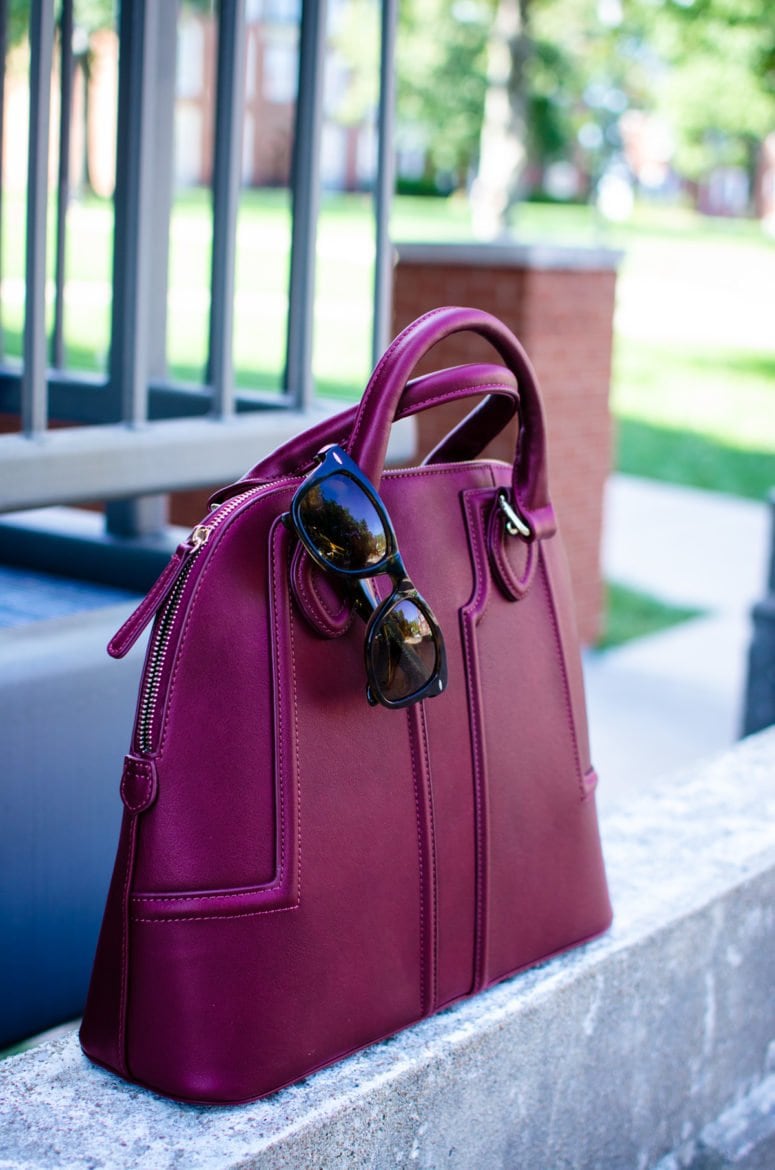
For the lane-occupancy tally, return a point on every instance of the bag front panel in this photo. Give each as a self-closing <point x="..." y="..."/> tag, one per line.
<point x="322" y="963"/>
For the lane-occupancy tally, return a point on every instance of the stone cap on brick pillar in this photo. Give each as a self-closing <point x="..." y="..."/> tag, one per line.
<point x="493" y="253"/>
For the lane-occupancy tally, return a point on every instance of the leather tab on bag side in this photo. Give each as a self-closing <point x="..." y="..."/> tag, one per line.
<point x="329" y="614"/>
<point x="513" y="559"/>
<point x="139" y="784"/>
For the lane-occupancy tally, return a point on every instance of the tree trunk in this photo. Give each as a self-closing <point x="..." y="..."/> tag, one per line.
<point x="502" y="150"/>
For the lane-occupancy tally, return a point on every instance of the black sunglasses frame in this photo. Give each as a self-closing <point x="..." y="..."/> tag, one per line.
<point x="334" y="461"/>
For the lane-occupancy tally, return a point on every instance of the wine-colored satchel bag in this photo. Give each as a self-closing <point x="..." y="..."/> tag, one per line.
<point x="359" y="785"/>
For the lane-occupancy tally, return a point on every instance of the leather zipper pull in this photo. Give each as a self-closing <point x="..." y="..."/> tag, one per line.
<point x="124" y="639"/>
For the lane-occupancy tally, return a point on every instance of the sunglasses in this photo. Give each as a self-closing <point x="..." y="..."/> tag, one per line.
<point x="343" y="524"/>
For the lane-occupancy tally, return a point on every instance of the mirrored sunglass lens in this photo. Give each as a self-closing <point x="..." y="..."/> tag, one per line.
<point x="343" y="524"/>
<point x="403" y="652"/>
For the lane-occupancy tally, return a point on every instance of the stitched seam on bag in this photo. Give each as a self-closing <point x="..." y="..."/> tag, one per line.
<point x="245" y="892"/>
<point x="517" y="584"/>
<point x="477" y="744"/>
<point x="326" y="621"/>
<point x="217" y="917"/>
<point x="281" y="799"/>
<point x="434" y="874"/>
<point x="297" y="773"/>
<point x="123" y="1005"/>
<point x="462" y="391"/>
<point x="137" y="768"/>
<point x="476" y="732"/>
<point x="564" y="673"/>
<point x="450" y="469"/>
<point x="420" y="851"/>
<point x="400" y="342"/>
<point x="280" y="748"/>
<point x="322" y="603"/>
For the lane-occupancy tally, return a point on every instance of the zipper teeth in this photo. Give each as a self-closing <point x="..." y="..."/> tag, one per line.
<point x="153" y="681"/>
<point x="167" y="620"/>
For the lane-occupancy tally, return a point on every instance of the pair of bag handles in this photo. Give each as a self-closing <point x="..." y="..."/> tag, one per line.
<point x="364" y="429"/>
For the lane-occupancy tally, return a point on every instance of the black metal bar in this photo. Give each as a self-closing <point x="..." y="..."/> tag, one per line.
<point x="129" y="323"/>
<point x="146" y="102"/>
<point x="305" y="198"/>
<point x="63" y="178"/>
<point x="159" y="208"/>
<point x="759" y="698"/>
<point x="34" y="412"/>
<point x="230" y="100"/>
<point x="80" y="398"/>
<point x="384" y="184"/>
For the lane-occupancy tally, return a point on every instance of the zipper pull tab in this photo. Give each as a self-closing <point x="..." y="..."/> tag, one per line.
<point x="124" y="639"/>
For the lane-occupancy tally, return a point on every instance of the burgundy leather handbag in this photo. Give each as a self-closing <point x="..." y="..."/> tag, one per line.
<point x="359" y="787"/>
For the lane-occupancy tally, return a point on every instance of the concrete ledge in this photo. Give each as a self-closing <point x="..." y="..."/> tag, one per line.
<point x="612" y="1056"/>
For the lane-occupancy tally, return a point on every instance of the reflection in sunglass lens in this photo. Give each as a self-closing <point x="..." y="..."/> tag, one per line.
<point x="343" y="524"/>
<point x="403" y="652"/>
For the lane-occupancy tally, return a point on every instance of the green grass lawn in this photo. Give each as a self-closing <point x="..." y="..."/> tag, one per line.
<point x="631" y="614"/>
<point x="694" y="360"/>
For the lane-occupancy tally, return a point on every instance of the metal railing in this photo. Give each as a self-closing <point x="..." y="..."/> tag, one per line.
<point x="134" y="431"/>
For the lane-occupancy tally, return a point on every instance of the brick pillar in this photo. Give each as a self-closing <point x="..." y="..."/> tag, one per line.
<point x="560" y="303"/>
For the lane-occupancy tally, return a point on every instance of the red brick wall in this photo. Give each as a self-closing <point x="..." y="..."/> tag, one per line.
<point x="564" y="318"/>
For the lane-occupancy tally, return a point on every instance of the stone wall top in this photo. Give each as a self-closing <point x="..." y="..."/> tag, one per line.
<point x="611" y="1055"/>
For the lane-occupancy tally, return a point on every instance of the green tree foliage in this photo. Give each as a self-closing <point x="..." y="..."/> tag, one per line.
<point x="441" y="75"/>
<point x="589" y="63"/>
<point x="355" y="38"/>
<point x="719" y="89"/>
<point x="89" y="15"/>
<point x="707" y="66"/>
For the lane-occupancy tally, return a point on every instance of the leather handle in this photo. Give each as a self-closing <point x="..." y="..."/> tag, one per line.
<point x="458" y="382"/>
<point x="381" y="404"/>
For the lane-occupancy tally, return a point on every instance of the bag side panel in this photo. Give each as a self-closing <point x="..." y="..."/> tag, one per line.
<point x="102" y="1029"/>
<point x="212" y="824"/>
<point x="541" y="883"/>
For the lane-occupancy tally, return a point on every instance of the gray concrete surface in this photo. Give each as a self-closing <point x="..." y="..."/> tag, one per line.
<point x="608" y="1058"/>
<point x="673" y="698"/>
<point x="742" y="1138"/>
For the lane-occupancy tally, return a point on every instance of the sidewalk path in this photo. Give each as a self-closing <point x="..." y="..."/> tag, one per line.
<point x="661" y="702"/>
